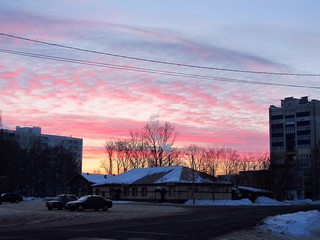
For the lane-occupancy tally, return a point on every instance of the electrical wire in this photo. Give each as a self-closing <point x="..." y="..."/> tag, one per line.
<point x="148" y="70"/>
<point x="158" y="61"/>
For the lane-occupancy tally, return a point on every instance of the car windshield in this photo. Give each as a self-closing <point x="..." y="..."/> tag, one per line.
<point x="83" y="198"/>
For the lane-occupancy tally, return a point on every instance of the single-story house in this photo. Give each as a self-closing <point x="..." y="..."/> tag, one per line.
<point x="170" y="184"/>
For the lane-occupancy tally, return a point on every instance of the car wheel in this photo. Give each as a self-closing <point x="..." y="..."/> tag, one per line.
<point x="105" y="208"/>
<point x="80" y="208"/>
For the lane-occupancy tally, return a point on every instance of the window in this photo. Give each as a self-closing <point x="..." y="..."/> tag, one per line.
<point x="303" y="137"/>
<point x="171" y="191"/>
<point x="144" y="192"/>
<point x="277" y="148"/>
<point x="97" y="191"/>
<point x="290" y="129"/>
<point x="134" y="192"/>
<point x="277" y="121"/>
<point x="126" y="191"/>
<point x="276" y="130"/>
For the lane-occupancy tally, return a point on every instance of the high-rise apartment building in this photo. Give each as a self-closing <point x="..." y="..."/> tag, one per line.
<point x="295" y="146"/>
<point x="27" y="135"/>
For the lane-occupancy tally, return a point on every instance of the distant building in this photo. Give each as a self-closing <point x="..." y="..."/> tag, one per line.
<point x="82" y="183"/>
<point x="251" y="184"/>
<point x="295" y="146"/>
<point x="27" y="135"/>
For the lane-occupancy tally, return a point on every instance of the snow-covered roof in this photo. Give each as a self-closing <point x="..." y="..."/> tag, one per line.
<point x="160" y="175"/>
<point x="95" y="178"/>
<point x="257" y="190"/>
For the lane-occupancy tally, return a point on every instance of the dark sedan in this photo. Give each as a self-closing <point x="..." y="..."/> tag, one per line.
<point x="95" y="202"/>
<point x="60" y="201"/>
<point x="10" y="197"/>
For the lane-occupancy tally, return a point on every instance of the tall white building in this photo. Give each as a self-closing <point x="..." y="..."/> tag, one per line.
<point x="26" y="136"/>
<point x="295" y="145"/>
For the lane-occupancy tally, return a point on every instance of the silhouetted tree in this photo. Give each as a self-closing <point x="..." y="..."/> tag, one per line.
<point x="212" y="160"/>
<point x="10" y="161"/>
<point x="159" y="140"/>
<point x="107" y="164"/>
<point x="195" y="157"/>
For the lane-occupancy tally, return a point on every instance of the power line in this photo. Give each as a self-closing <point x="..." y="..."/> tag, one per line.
<point x="148" y="70"/>
<point x="160" y="62"/>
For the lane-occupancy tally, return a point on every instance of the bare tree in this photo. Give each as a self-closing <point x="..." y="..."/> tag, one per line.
<point x="159" y="139"/>
<point x="264" y="161"/>
<point x="122" y="161"/>
<point x="195" y="157"/>
<point x="150" y="147"/>
<point x="107" y="164"/>
<point x="175" y="157"/>
<point x="247" y="161"/>
<point x="212" y="160"/>
<point x="138" y="150"/>
<point x="229" y="160"/>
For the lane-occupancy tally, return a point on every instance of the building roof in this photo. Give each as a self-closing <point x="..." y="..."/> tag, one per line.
<point x="160" y="175"/>
<point x="95" y="178"/>
<point x="256" y="190"/>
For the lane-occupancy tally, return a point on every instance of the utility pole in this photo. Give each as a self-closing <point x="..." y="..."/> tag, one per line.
<point x="193" y="199"/>
<point x="1" y="119"/>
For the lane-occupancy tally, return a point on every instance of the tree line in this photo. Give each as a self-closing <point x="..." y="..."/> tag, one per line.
<point x="154" y="146"/>
<point x="36" y="169"/>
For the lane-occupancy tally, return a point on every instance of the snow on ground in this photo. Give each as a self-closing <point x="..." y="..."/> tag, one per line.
<point x="260" y="201"/>
<point x="220" y="202"/>
<point x="300" y="224"/>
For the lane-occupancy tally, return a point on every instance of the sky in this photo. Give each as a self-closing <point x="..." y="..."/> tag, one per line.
<point x="98" y="69"/>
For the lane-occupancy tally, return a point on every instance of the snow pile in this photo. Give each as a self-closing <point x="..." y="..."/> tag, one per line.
<point x="295" y="224"/>
<point x="35" y="199"/>
<point x="300" y="224"/>
<point x="260" y="201"/>
<point x="240" y="202"/>
<point x="265" y="201"/>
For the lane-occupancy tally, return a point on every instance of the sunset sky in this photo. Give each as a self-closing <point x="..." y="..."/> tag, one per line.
<point x="126" y="75"/>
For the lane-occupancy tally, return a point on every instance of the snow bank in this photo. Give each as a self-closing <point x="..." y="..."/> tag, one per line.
<point x="295" y="224"/>
<point x="265" y="201"/>
<point x="300" y="224"/>
<point x="240" y="202"/>
<point x="260" y="201"/>
<point x="35" y="199"/>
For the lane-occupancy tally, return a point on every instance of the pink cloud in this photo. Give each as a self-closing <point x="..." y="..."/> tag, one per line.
<point x="100" y="103"/>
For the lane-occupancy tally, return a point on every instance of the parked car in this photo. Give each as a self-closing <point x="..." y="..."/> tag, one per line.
<point x="95" y="202"/>
<point x="11" y="197"/>
<point x="60" y="201"/>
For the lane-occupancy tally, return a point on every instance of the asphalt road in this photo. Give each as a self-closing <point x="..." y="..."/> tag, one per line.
<point x="201" y="222"/>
